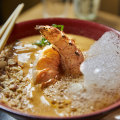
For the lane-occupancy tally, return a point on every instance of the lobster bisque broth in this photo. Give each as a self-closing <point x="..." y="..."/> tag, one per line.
<point x="40" y="105"/>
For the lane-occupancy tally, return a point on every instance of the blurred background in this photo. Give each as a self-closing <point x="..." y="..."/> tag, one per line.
<point x="102" y="11"/>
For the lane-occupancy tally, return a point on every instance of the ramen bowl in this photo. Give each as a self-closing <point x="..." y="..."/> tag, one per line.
<point x="71" y="26"/>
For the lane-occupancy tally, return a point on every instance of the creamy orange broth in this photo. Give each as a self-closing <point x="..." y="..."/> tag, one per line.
<point x="26" y="52"/>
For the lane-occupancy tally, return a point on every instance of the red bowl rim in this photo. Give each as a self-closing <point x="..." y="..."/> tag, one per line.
<point x="110" y="108"/>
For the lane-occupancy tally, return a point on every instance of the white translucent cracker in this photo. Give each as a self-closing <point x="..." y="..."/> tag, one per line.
<point x="109" y="42"/>
<point x="101" y="68"/>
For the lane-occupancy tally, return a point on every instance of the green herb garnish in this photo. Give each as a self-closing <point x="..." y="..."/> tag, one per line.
<point x="60" y="27"/>
<point x="42" y="42"/>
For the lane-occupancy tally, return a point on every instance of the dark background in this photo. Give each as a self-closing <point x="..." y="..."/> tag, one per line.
<point x="7" y="7"/>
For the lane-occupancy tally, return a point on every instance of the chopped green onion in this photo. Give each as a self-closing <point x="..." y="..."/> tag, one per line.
<point x="60" y="27"/>
<point x="42" y="42"/>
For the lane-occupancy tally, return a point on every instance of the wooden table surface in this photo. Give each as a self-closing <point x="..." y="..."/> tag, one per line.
<point x="103" y="18"/>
